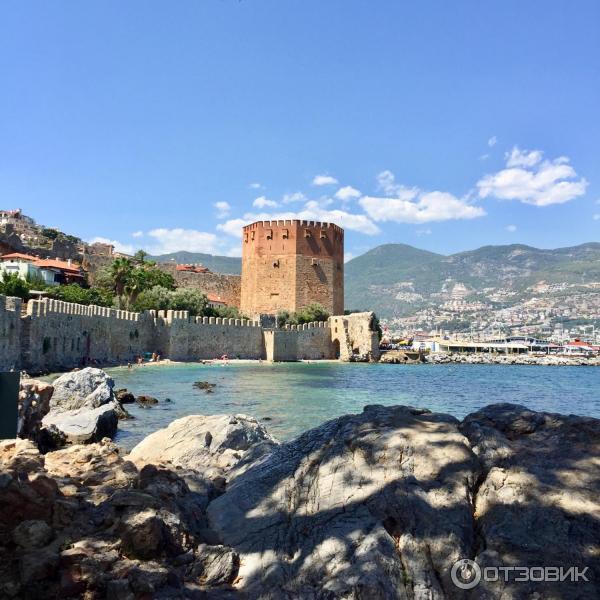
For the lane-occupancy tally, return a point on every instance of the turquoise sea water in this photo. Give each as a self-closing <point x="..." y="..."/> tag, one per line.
<point x="293" y="397"/>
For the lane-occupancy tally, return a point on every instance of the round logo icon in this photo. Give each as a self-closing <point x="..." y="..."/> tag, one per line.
<point x="465" y="574"/>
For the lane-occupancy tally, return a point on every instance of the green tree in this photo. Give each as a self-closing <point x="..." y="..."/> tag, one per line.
<point x="13" y="285"/>
<point x="312" y="312"/>
<point x="140" y="258"/>
<point x="225" y="312"/>
<point x="155" y="298"/>
<point x="189" y="299"/>
<point x="309" y="314"/>
<point x="120" y="272"/>
<point x="78" y="295"/>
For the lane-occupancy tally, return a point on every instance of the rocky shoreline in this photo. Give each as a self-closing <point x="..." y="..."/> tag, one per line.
<point x="375" y="505"/>
<point x="401" y="357"/>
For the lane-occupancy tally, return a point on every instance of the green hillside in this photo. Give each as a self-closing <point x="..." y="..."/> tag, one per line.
<point x="396" y="279"/>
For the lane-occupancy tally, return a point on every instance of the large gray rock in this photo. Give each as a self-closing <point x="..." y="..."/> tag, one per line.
<point x="538" y="501"/>
<point x="82" y="426"/>
<point x="376" y="505"/>
<point x="88" y="388"/>
<point x="221" y="443"/>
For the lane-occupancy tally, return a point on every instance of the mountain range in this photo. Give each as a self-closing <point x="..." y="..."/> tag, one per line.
<point x="396" y="279"/>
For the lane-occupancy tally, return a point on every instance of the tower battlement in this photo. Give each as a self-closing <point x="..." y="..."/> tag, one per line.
<point x="288" y="264"/>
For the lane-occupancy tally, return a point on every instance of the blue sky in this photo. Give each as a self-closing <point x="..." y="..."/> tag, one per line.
<point x="446" y="125"/>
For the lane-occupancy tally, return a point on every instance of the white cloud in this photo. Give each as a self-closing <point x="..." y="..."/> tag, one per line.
<point x="412" y="205"/>
<point x="531" y="180"/>
<point x="233" y="226"/>
<point x="263" y="202"/>
<point x="511" y="228"/>
<point x="119" y="246"/>
<point x="223" y="209"/>
<point x="137" y="234"/>
<point x="311" y="211"/>
<point x="386" y="182"/>
<point x="523" y="158"/>
<point x="596" y="217"/>
<point x="424" y="231"/>
<point x="492" y="141"/>
<point x="174" y="240"/>
<point x="324" y="180"/>
<point x="484" y="157"/>
<point x="348" y="256"/>
<point x="255" y="186"/>
<point x="294" y="197"/>
<point x="347" y="193"/>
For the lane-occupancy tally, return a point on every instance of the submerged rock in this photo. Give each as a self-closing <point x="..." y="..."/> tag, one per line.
<point x="146" y="401"/>
<point x="124" y="396"/>
<point x="219" y="442"/>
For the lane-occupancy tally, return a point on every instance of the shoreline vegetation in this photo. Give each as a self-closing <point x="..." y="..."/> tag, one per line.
<point x="379" y="504"/>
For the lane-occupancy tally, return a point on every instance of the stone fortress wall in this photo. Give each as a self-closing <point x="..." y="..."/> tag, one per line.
<point x="55" y="335"/>
<point x="226" y="287"/>
<point x="288" y="264"/>
<point x="10" y="331"/>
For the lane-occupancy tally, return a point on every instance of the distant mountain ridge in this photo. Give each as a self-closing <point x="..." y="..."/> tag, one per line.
<point x="398" y="279"/>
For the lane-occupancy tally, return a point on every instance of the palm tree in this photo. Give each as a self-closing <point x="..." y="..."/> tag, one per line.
<point x="140" y="257"/>
<point x="120" y="272"/>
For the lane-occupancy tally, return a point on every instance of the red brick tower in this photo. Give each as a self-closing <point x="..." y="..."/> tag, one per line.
<point x="287" y="265"/>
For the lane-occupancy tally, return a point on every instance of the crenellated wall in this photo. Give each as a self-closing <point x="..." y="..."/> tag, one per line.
<point x="196" y="338"/>
<point x="55" y="335"/>
<point x="58" y="335"/>
<point x="311" y="341"/>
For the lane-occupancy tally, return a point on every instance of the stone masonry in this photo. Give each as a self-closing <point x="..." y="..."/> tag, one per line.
<point x="289" y="264"/>
<point x="55" y="335"/>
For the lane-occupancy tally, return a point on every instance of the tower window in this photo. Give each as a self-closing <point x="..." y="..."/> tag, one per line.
<point x="276" y="263"/>
<point x="307" y="233"/>
<point x="285" y="234"/>
<point x="323" y="234"/>
<point x="269" y="234"/>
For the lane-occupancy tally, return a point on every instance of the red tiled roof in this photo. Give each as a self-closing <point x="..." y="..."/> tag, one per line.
<point x="192" y="268"/>
<point x="213" y="298"/>
<point x="63" y="265"/>
<point x="18" y="255"/>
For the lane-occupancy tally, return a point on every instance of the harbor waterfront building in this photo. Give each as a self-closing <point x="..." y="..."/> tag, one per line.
<point x="289" y="264"/>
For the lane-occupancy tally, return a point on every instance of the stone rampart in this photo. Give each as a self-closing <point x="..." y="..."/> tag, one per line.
<point x="225" y="287"/>
<point x="10" y="332"/>
<point x="58" y="335"/>
<point x="196" y="338"/>
<point x="310" y="341"/>
<point x="54" y="335"/>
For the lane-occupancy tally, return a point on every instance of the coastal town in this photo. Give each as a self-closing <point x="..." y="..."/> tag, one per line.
<point x="542" y="325"/>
